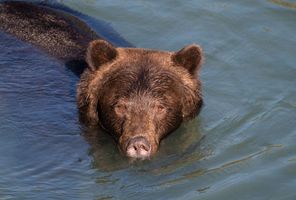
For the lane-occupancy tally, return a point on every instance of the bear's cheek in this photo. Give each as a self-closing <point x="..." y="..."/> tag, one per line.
<point x="110" y="121"/>
<point x="168" y="122"/>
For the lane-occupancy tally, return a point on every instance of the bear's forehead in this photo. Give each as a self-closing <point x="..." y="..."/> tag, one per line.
<point x="150" y="68"/>
<point x="144" y="55"/>
<point x="141" y="71"/>
<point x="144" y="69"/>
<point x="144" y="76"/>
<point x="144" y="63"/>
<point x="159" y="61"/>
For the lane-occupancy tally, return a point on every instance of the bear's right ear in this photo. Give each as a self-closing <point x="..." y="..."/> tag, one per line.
<point x="190" y="57"/>
<point x="98" y="53"/>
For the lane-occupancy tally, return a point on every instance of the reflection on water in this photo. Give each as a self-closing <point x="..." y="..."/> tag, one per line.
<point x="224" y="167"/>
<point x="107" y="157"/>
<point x="284" y="3"/>
<point x="242" y="145"/>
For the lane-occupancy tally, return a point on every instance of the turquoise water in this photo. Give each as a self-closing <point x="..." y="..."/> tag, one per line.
<point x="241" y="146"/>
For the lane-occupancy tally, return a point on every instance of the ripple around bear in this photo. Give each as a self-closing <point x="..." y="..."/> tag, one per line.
<point x="137" y="95"/>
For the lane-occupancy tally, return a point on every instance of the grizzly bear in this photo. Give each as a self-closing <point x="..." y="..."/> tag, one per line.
<point x="137" y="95"/>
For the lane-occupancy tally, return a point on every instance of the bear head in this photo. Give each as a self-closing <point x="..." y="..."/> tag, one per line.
<point x="139" y="95"/>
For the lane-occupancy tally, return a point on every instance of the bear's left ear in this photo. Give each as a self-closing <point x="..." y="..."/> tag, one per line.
<point x="190" y="57"/>
<point x="98" y="53"/>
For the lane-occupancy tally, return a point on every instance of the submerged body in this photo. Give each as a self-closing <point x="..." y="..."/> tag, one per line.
<point x="137" y="95"/>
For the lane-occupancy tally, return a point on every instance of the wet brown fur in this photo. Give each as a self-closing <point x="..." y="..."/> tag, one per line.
<point x="143" y="77"/>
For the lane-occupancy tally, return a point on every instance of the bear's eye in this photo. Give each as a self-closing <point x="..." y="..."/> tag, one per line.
<point x="120" y="109"/>
<point x="160" y="108"/>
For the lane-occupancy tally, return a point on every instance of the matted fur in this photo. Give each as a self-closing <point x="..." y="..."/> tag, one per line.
<point x="143" y="78"/>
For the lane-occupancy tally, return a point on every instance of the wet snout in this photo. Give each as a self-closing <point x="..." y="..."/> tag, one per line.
<point x="138" y="147"/>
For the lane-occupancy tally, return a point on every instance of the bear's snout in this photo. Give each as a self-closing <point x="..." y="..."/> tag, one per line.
<point x="138" y="147"/>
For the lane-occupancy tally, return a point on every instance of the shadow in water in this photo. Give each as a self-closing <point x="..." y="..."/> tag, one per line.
<point x="103" y="149"/>
<point x="76" y="66"/>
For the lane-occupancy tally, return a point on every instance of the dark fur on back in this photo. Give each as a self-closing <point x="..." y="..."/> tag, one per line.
<point x="55" y="29"/>
<point x="50" y="29"/>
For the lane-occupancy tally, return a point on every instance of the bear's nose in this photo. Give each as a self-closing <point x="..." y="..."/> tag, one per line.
<point x="138" y="147"/>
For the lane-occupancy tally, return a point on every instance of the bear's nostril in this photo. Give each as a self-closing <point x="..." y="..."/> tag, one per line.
<point x="138" y="147"/>
<point x="144" y="147"/>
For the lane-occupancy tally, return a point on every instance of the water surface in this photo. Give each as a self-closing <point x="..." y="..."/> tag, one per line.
<point x="241" y="146"/>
